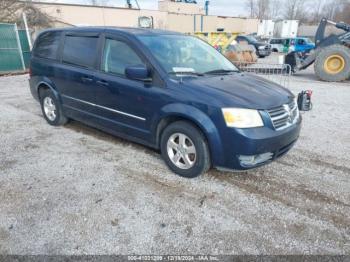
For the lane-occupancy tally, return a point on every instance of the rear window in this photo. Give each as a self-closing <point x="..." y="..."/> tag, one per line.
<point x="301" y="42"/>
<point x="276" y="41"/>
<point x="47" y="45"/>
<point x="80" y="50"/>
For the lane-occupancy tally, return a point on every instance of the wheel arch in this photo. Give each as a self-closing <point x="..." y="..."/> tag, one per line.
<point x="47" y="84"/>
<point x="179" y="112"/>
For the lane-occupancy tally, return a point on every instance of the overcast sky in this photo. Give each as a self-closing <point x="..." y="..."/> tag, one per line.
<point x="217" y="7"/>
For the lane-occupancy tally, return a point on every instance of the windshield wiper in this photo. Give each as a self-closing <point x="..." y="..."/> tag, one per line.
<point x="220" y="71"/>
<point x="185" y="73"/>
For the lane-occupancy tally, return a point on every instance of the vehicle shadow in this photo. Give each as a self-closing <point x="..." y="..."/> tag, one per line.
<point x="104" y="136"/>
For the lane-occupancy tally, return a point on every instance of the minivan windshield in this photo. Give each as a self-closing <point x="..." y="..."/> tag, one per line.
<point x="181" y="54"/>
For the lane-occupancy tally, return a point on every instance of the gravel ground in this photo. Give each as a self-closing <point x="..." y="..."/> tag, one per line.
<point x="76" y="190"/>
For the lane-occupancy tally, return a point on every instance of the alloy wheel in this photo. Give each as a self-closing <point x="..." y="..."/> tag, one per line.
<point x="49" y="108"/>
<point x="181" y="151"/>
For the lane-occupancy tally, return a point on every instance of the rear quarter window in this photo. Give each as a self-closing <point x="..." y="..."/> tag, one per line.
<point x="47" y="45"/>
<point x="80" y="50"/>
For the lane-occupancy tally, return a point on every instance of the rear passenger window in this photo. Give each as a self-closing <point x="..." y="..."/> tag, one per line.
<point x="117" y="56"/>
<point x="47" y="45"/>
<point x="80" y="50"/>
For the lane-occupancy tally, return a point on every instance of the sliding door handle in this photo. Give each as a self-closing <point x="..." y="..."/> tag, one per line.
<point x="102" y="83"/>
<point x="86" y="79"/>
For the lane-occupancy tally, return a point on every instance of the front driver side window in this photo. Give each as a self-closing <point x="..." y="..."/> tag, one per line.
<point x="117" y="56"/>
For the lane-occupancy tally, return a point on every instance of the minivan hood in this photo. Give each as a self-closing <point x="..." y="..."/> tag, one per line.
<point x="244" y="90"/>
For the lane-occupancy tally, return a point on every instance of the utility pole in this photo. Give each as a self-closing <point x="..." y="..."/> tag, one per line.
<point x="24" y="16"/>
<point x="129" y="4"/>
<point x="207" y="2"/>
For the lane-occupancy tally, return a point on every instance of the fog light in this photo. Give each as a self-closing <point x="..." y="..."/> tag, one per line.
<point x="250" y="161"/>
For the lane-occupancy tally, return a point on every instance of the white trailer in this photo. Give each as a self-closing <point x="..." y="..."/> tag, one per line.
<point x="286" y="28"/>
<point x="266" y="28"/>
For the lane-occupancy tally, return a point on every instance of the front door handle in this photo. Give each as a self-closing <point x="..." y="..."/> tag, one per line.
<point x="102" y="83"/>
<point x="86" y="79"/>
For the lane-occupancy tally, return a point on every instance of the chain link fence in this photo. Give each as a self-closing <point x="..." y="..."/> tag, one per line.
<point x="14" y="49"/>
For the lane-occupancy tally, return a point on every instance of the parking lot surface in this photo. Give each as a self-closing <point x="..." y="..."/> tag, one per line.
<point x="76" y="190"/>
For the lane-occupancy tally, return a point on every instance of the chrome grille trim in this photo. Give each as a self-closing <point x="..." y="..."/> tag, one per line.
<point x="284" y="116"/>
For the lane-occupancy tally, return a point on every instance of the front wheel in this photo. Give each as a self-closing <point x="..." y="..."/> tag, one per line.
<point x="333" y="63"/>
<point x="185" y="150"/>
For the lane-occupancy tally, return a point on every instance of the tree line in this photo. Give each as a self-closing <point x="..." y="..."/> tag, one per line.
<point x="307" y="11"/>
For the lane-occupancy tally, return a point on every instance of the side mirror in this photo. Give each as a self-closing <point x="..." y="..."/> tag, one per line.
<point x="138" y="72"/>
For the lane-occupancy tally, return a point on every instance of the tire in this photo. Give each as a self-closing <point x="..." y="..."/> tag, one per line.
<point x="333" y="74"/>
<point x="200" y="160"/>
<point x="51" y="108"/>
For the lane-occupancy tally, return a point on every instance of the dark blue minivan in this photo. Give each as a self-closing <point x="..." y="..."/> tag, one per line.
<point x="166" y="90"/>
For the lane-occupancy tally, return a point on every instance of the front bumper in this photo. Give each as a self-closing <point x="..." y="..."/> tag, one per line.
<point x="263" y="145"/>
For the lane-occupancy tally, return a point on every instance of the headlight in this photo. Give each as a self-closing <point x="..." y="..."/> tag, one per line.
<point x="242" y="118"/>
<point x="261" y="47"/>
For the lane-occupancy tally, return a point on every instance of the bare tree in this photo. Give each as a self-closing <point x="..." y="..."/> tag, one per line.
<point x="317" y="11"/>
<point x="250" y="6"/>
<point x="263" y="9"/>
<point x="291" y="8"/>
<point x="275" y="9"/>
<point x="296" y="10"/>
<point x="337" y="10"/>
<point x="330" y="9"/>
<point x="11" y="11"/>
<point x="306" y="11"/>
<point x="258" y="8"/>
<point x="344" y="13"/>
<point x="35" y="17"/>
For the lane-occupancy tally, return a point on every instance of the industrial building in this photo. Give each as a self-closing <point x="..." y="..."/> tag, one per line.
<point x="178" y="16"/>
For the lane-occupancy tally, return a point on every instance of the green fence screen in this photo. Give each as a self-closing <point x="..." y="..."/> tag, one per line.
<point x="25" y="46"/>
<point x="14" y="48"/>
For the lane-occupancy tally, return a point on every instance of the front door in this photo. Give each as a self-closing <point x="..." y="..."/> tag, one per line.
<point x="126" y="105"/>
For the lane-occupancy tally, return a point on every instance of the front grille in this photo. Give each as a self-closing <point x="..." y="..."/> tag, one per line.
<point x="284" y="115"/>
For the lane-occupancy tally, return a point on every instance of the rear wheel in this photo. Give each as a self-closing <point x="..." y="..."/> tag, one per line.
<point x="185" y="149"/>
<point x="51" y="108"/>
<point x="333" y="63"/>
